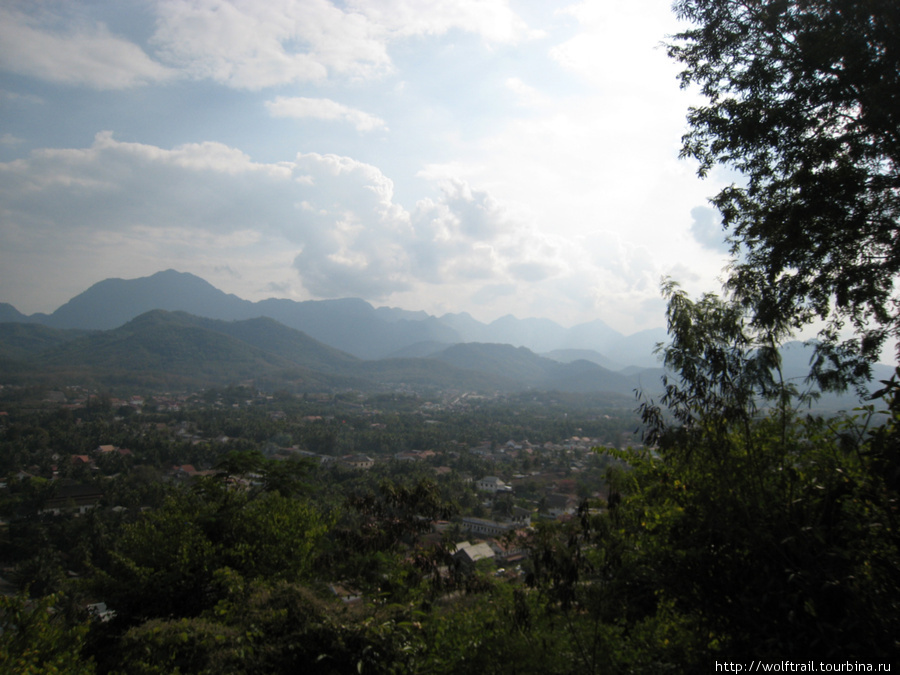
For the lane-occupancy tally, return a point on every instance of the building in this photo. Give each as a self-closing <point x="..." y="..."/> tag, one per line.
<point x="486" y="528"/>
<point x="493" y="484"/>
<point x="359" y="461"/>
<point x="73" y="497"/>
<point x="467" y="554"/>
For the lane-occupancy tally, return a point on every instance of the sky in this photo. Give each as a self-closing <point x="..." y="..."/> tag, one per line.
<point x="489" y="156"/>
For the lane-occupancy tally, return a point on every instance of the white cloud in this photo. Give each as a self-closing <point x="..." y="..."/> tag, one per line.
<point x="340" y="228"/>
<point x="526" y="94"/>
<point x="493" y="20"/>
<point x="596" y="170"/>
<point x="325" y="109"/>
<point x="249" y="44"/>
<point x="128" y="209"/>
<point x="252" y="45"/>
<point x="84" y="54"/>
<point x="10" y="139"/>
<point x="245" y="44"/>
<point x="620" y="44"/>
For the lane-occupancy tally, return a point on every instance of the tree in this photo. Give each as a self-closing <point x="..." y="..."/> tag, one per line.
<point x="803" y="101"/>
<point x="36" y="639"/>
<point x="163" y="563"/>
<point x="768" y="532"/>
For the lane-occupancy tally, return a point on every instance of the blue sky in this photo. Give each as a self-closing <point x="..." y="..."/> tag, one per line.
<point x="488" y="156"/>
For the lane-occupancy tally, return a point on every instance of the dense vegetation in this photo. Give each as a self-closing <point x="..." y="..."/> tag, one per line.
<point x="746" y="529"/>
<point x="233" y="569"/>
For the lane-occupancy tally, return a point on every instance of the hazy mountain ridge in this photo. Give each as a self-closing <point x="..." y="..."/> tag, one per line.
<point x="20" y="341"/>
<point x="350" y="324"/>
<point x="349" y="344"/>
<point x="8" y="313"/>
<point x="176" y="348"/>
<point x="571" y="355"/>
<point x="179" y="349"/>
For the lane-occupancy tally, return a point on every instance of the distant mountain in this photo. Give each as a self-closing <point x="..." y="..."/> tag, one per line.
<point x="111" y="303"/>
<point x="297" y="347"/>
<point x="19" y="341"/>
<point x="538" y="335"/>
<point x="466" y="326"/>
<point x="638" y="348"/>
<point x="796" y="358"/>
<point x="354" y="326"/>
<point x="175" y="348"/>
<point x="8" y="313"/>
<point x="533" y="371"/>
<point x="171" y="349"/>
<point x="435" y="375"/>
<point x="168" y="349"/>
<point x="570" y="355"/>
<point x="596" y="335"/>
<point x="350" y="324"/>
<point x="420" y="350"/>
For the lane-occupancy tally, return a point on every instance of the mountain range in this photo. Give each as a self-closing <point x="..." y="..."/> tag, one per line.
<point x="351" y="325"/>
<point x="174" y="349"/>
<point x="176" y="330"/>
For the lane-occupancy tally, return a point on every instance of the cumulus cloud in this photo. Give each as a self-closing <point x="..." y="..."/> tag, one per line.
<point x="324" y="225"/>
<point x="251" y="45"/>
<point x="245" y="44"/>
<point x="324" y="109"/>
<point x="332" y="219"/>
<point x="84" y="54"/>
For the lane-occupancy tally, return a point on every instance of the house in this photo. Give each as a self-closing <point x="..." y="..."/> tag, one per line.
<point x="521" y="517"/>
<point x="188" y="471"/>
<point x="492" y="484"/>
<point x="487" y="528"/>
<point x="467" y="554"/>
<point x="359" y="461"/>
<point x="73" y="497"/>
<point x="561" y="504"/>
<point x="508" y="552"/>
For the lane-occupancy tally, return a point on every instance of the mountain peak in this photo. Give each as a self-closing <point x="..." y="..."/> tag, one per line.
<point x="352" y="325"/>
<point x="112" y="302"/>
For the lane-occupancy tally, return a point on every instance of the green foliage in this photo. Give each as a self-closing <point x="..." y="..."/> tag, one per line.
<point x="164" y="563"/>
<point x="375" y="530"/>
<point x="775" y="533"/>
<point x="721" y="365"/>
<point x="35" y="639"/>
<point x="803" y="101"/>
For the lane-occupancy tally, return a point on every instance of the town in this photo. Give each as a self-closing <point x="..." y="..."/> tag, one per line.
<point x="67" y="452"/>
